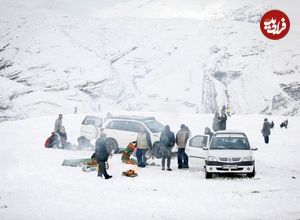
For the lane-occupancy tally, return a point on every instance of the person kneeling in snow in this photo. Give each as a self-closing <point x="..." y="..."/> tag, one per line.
<point x="53" y="141"/>
<point x="102" y="154"/>
<point x="284" y="124"/>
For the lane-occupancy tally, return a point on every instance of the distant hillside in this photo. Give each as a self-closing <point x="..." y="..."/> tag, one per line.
<point x="159" y="55"/>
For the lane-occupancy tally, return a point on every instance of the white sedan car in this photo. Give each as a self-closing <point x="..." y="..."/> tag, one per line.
<point x="227" y="152"/>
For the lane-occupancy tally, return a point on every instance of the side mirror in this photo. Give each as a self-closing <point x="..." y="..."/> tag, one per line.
<point x="204" y="148"/>
<point x="254" y="148"/>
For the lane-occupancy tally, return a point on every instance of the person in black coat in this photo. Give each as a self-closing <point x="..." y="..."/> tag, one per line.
<point x="223" y="120"/>
<point x="167" y="138"/>
<point x="266" y="132"/>
<point x="207" y="131"/>
<point x="102" y="154"/>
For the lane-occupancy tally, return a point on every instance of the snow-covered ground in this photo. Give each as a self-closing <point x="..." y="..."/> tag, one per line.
<point x="34" y="185"/>
<point x="149" y="55"/>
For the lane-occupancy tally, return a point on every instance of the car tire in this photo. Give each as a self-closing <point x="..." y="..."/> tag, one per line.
<point x="111" y="143"/>
<point x="83" y="142"/>
<point x="251" y="175"/>
<point x="208" y="175"/>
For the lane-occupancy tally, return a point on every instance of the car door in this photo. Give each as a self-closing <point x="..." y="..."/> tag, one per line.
<point x="198" y="146"/>
<point x="123" y="131"/>
<point x="90" y="127"/>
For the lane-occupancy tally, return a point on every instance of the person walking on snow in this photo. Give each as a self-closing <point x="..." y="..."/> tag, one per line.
<point x="266" y="131"/>
<point x="143" y="144"/>
<point x="58" y="123"/>
<point x="181" y="139"/>
<point x="167" y="138"/>
<point x="102" y="154"/>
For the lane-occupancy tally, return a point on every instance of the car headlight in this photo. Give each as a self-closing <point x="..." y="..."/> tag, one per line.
<point x="211" y="158"/>
<point x="249" y="158"/>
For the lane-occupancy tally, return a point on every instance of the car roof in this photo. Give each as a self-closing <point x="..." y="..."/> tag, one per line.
<point x="230" y="132"/>
<point x="131" y="117"/>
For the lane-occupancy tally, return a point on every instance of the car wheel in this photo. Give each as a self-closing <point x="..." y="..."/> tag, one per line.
<point x="112" y="144"/>
<point x="208" y="175"/>
<point x="251" y="175"/>
<point x="83" y="142"/>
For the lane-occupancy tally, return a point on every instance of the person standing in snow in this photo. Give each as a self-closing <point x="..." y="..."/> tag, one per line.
<point x="143" y="144"/>
<point x="181" y="139"/>
<point x="167" y="138"/>
<point x="63" y="136"/>
<point x="266" y="132"/>
<point x="223" y="120"/>
<point x="208" y="132"/>
<point x="58" y="123"/>
<point x="102" y="154"/>
<point x="223" y="109"/>
<point x="216" y="122"/>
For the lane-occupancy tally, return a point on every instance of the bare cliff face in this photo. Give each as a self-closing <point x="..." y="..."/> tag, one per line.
<point x="144" y="55"/>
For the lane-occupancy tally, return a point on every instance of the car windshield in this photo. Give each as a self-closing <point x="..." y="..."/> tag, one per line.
<point x="154" y="126"/>
<point x="233" y="143"/>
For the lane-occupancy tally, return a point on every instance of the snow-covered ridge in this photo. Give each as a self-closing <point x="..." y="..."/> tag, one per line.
<point x="161" y="55"/>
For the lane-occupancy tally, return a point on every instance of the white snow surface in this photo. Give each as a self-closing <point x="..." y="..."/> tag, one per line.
<point x="148" y="55"/>
<point x="34" y="184"/>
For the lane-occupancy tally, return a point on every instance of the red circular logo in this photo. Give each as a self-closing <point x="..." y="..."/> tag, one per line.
<point x="275" y="24"/>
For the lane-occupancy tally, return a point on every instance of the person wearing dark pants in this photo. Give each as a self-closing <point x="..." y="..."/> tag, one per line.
<point x="266" y="139"/>
<point x="183" y="159"/>
<point x="102" y="154"/>
<point x="167" y="139"/>
<point x="143" y="144"/>
<point x="266" y="131"/>
<point x="181" y="139"/>
<point x="141" y="158"/>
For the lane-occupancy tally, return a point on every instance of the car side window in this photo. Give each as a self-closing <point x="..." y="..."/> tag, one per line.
<point x="124" y="126"/>
<point x="133" y="126"/>
<point x="117" y="125"/>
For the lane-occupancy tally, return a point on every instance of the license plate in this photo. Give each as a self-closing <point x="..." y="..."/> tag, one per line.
<point x="230" y="167"/>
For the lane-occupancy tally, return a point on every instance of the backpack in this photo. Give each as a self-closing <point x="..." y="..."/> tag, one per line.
<point x="47" y="143"/>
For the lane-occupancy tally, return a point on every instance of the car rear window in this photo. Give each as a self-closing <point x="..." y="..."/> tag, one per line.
<point x="92" y="121"/>
<point x="154" y="126"/>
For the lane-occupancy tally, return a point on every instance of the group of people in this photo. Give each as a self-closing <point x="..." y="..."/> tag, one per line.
<point x="58" y="138"/>
<point x="219" y="121"/>
<point x="166" y="143"/>
<point x="143" y="144"/>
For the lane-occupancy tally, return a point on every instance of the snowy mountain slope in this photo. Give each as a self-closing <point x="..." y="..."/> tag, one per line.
<point x="34" y="185"/>
<point x="191" y="56"/>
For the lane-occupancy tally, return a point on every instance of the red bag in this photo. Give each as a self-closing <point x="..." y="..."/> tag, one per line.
<point x="47" y="142"/>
